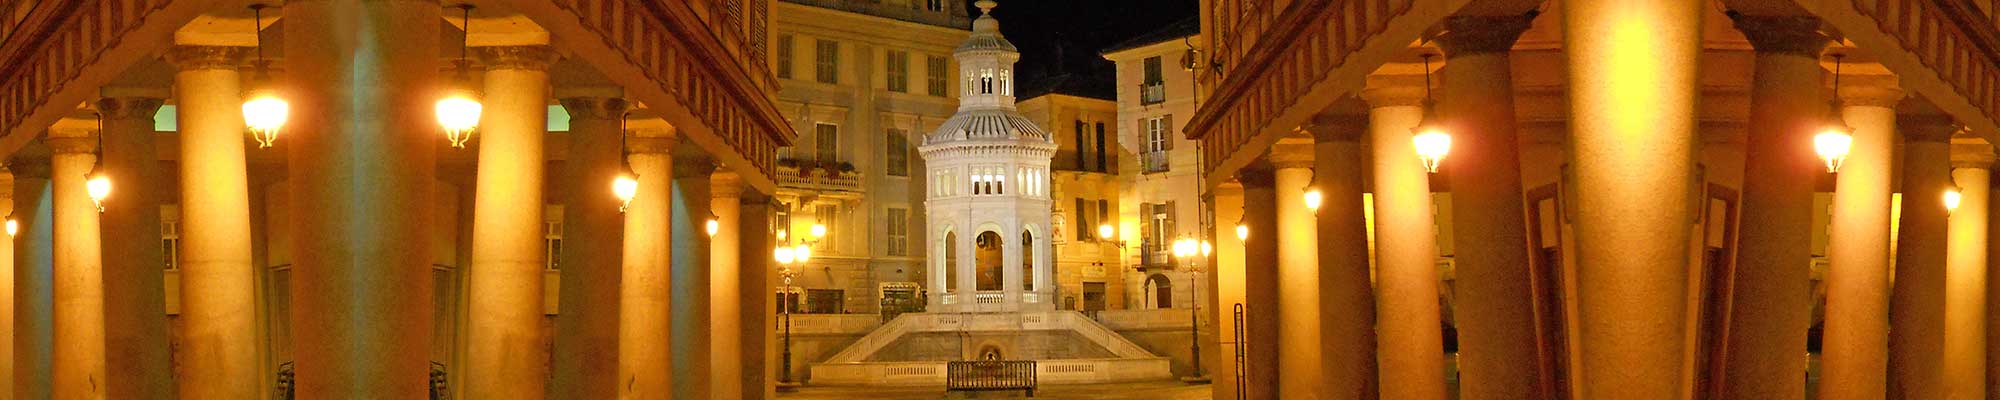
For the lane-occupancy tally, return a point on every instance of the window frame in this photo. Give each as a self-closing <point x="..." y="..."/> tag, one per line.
<point x="826" y="61"/>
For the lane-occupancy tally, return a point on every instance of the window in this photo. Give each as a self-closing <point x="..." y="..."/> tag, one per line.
<point x="985" y="81"/>
<point x="934" y="5"/>
<point x="1100" y="147"/>
<point x="552" y="237"/>
<point x="1157" y="220"/>
<point x="170" y="236"/>
<point x="826" y="142"/>
<point x="784" y="49"/>
<point x="826" y="63"/>
<point x="1153" y="89"/>
<point x="1005" y="89"/>
<point x="826" y="301"/>
<point x="1082" y="164"/>
<point x="1083" y="225"/>
<point x="1158" y="137"/>
<point x="899" y="231"/>
<point x="934" y="68"/>
<point x="898" y="69"/>
<point x="826" y="214"/>
<point x="899" y="153"/>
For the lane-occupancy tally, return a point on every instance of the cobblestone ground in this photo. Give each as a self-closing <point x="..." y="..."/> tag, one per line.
<point x="1163" y="390"/>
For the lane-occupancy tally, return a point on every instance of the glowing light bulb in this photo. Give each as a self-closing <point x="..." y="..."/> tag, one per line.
<point x="1833" y="144"/>
<point x="713" y="226"/>
<point x="1313" y="199"/>
<point x="784" y="255"/>
<point x="459" y="113"/>
<point x="625" y="188"/>
<point x="1207" y="248"/>
<point x="818" y="231"/>
<point x="13" y="227"/>
<point x="1104" y="231"/>
<point x="802" y="252"/>
<point x="1242" y="231"/>
<point x="99" y="187"/>
<point x="1432" y="144"/>
<point x="264" y="114"/>
<point x="1951" y="199"/>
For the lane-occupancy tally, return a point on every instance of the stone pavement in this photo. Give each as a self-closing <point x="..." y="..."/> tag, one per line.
<point x="1161" y="390"/>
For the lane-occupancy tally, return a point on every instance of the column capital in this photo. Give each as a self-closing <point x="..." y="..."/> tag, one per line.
<point x="529" y="57"/>
<point x="1978" y="156"/>
<point x="1291" y="153"/>
<point x="724" y="184"/>
<point x="1870" y="91"/>
<point x="196" y="57"/>
<point x="1327" y="128"/>
<point x="1393" y="91"/>
<point x="1465" y="35"/>
<point x="1254" y="178"/>
<point x="648" y="145"/>
<point x="1927" y="128"/>
<point x="589" y="107"/>
<point x="128" y="107"/>
<point x="1783" y="34"/>
<point x="70" y="144"/>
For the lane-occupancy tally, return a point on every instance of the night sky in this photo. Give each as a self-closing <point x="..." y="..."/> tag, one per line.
<point x="1064" y="36"/>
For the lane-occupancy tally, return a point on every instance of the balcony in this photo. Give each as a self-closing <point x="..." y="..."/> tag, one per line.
<point x="1152" y="93"/>
<point x="1155" y="161"/>
<point x="818" y="176"/>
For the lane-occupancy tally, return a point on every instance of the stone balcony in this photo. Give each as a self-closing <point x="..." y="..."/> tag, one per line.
<point x="807" y="175"/>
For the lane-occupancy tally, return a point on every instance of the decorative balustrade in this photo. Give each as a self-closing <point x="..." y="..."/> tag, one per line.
<point x="1153" y="93"/>
<point x="50" y="44"/>
<point x="1265" y="60"/>
<point x="675" y="49"/>
<point x="818" y="178"/>
<point x="1156" y="161"/>
<point x="1957" y="39"/>
<point x="989" y="297"/>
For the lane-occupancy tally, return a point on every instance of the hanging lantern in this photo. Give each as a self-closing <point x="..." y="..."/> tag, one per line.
<point x="1431" y="140"/>
<point x="1833" y="144"/>
<point x="264" y="111"/>
<point x="1951" y="199"/>
<point x="625" y="188"/>
<point x="1242" y="231"/>
<point x="1313" y="199"/>
<point x="458" y="112"/>
<point x="713" y="226"/>
<point x="13" y="227"/>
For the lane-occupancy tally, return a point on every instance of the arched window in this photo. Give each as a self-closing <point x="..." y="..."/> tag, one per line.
<point x="950" y="261"/>
<point x="1160" y="290"/>
<point x="1005" y="88"/>
<point x="1027" y="260"/>
<point x="985" y="81"/>
<point x="988" y="261"/>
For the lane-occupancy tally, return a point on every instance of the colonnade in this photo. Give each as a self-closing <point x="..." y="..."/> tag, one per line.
<point x="1632" y="312"/>
<point x="360" y="154"/>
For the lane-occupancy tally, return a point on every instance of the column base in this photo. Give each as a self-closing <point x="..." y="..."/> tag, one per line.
<point x="788" y="387"/>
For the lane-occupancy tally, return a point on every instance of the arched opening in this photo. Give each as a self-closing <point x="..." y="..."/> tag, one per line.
<point x="1162" y="290"/>
<point x="950" y="261"/>
<point x="987" y="261"/>
<point x="990" y="353"/>
<point x="1027" y="261"/>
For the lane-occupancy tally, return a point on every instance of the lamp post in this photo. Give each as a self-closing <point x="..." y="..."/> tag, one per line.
<point x="787" y="256"/>
<point x="1192" y="251"/>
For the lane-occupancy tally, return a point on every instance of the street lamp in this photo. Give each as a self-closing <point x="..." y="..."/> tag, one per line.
<point x="1187" y="249"/>
<point x="786" y="256"/>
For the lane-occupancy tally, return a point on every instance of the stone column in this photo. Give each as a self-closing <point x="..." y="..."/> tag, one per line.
<point x="1965" y="307"/>
<point x="1346" y="292"/>
<point x="759" y="332"/>
<point x="1917" y="302"/>
<point x="1409" y="344"/>
<point x="1298" y="271"/>
<point x="1227" y="280"/>
<point x="726" y="355"/>
<point x="504" y="353"/>
<point x="1855" y="358"/>
<point x="1260" y="287"/>
<point x="1499" y="354"/>
<point x="135" y="322"/>
<point x="688" y="212"/>
<point x="586" y="343"/>
<point x="361" y="159"/>
<point x="1632" y="67"/>
<point x="34" y="311"/>
<point x="1766" y="330"/>
<point x="645" y="369"/>
<point x="218" y="281"/>
<point x="8" y="329"/>
<point x="78" y="366"/>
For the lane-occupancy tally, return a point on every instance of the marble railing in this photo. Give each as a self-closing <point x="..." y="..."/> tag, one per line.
<point x="1957" y="39"/>
<point x="57" y="54"/>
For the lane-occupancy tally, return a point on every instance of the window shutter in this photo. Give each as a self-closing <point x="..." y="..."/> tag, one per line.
<point x="1167" y="130"/>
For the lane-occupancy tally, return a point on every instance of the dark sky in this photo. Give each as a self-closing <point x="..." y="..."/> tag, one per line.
<point x="1077" y="30"/>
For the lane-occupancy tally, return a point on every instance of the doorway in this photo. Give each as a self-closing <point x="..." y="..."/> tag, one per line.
<point x="1161" y="290"/>
<point x="1546" y="259"/>
<point x="1093" y="297"/>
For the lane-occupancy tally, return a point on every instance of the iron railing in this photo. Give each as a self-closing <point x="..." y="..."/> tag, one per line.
<point x="1155" y="161"/>
<point x="1153" y="93"/>
<point x="990" y="375"/>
